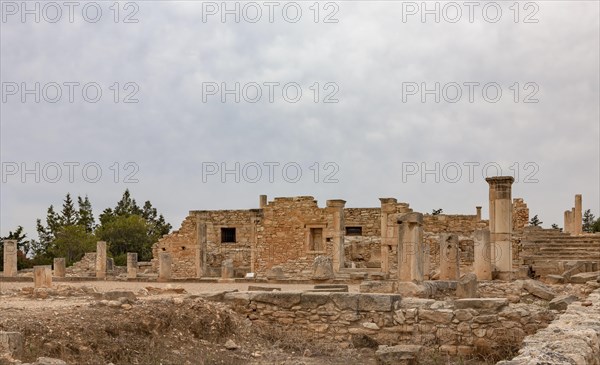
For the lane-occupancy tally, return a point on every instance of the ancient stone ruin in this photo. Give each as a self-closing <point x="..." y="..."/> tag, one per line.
<point x="403" y="284"/>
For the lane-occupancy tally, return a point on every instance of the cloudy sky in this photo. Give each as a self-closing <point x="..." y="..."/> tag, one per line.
<point x="336" y="100"/>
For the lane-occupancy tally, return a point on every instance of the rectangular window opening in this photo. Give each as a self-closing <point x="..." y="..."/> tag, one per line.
<point x="353" y="231"/>
<point x="228" y="235"/>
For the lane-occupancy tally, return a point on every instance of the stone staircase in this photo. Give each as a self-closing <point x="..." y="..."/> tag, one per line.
<point x="551" y="252"/>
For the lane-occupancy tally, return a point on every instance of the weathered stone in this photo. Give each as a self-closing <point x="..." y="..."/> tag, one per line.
<point x="242" y="299"/>
<point x="10" y="258"/>
<point x="132" y="265"/>
<point x="11" y="342"/>
<point x="42" y="276"/>
<point x="410" y="289"/>
<point x="345" y="300"/>
<point x="449" y="257"/>
<point x="101" y="260"/>
<point x="482" y="263"/>
<point x="562" y="302"/>
<point x="463" y="314"/>
<point x="467" y="286"/>
<point x="281" y="299"/>
<point x="555" y="279"/>
<point x="117" y="294"/>
<point x="538" y="289"/>
<point x="481" y="303"/>
<point x="500" y="188"/>
<point x="583" y="277"/>
<point x="398" y="355"/>
<point x="59" y="267"/>
<point x="275" y="273"/>
<point x="488" y="318"/>
<point x="410" y="248"/>
<point x="416" y="303"/>
<point x="376" y="302"/>
<point x="377" y="286"/>
<point x="227" y="269"/>
<point x="313" y="300"/>
<point x="370" y="325"/>
<point x="262" y="288"/>
<point x="165" y="262"/>
<point x="438" y="316"/>
<point x="230" y="345"/>
<point x="340" y="287"/>
<point x="322" y="268"/>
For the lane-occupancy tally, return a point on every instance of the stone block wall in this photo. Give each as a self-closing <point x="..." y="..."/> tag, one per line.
<point x="367" y="218"/>
<point x="458" y="326"/>
<point x="520" y="214"/>
<point x="182" y="246"/>
<point x="463" y="225"/>
<point x="197" y="244"/>
<point x="283" y="237"/>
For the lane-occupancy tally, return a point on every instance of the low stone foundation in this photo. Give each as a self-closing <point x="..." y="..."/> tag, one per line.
<point x="456" y="327"/>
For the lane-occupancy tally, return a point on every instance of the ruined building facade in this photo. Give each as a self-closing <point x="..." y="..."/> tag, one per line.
<point x="289" y="232"/>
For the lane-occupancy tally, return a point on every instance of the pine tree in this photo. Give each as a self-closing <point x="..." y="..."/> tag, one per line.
<point x="535" y="221"/>
<point x="554" y="226"/>
<point x="86" y="216"/>
<point x="69" y="215"/>
<point x="588" y="221"/>
<point x="127" y="206"/>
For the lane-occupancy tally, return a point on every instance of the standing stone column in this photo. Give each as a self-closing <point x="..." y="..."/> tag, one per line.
<point x="482" y="264"/>
<point x="478" y="214"/>
<point x="201" y="246"/>
<point x="577" y="217"/>
<point x="388" y="206"/>
<point x="227" y="269"/>
<point x="59" y="267"/>
<point x="42" y="276"/>
<point x="501" y="223"/>
<point x="132" y="265"/>
<point x="262" y="201"/>
<point x="10" y="258"/>
<point x="410" y="248"/>
<point x="101" y="260"/>
<point x="567" y="225"/>
<point x="449" y="257"/>
<point x="164" y="266"/>
<point x="337" y="209"/>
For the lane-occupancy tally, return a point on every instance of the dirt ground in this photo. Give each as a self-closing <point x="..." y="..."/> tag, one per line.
<point x="73" y="323"/>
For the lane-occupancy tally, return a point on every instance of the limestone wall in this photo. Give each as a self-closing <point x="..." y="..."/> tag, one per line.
<point x="520" y="214"/>
<point x="367" y="218"/>
<point x="182" y="246"/>
<point x="199" y="239"/>
<point x="283" y="237"/>
<point x="573" y="338"/>
<point x="463" y="225"/>
<point x="458" y="326"/>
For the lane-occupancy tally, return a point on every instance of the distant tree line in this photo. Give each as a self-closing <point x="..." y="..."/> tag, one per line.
<point x="73" y="231"/>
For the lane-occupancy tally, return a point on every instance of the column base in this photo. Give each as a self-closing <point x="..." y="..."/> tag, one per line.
<point x="504" y="275"/>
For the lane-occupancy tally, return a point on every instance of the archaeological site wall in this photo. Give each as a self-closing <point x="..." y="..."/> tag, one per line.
<point x="293" y="232"/>
<point x="206" y="238"/>
<point x="362" y="239"/>
<point x="462" y="225"/>
<point x="452" y="326"/>
<point x="289" y="232"/>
